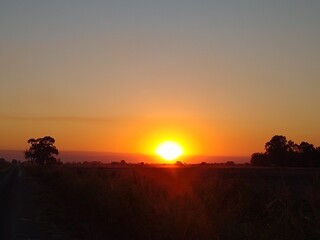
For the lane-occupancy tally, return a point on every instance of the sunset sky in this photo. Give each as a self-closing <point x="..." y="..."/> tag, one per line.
<point x="220" y="77"/>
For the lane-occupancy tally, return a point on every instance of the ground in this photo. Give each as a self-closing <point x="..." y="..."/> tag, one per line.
<point x="81" y="201"/>
<point x="23" y="213"/>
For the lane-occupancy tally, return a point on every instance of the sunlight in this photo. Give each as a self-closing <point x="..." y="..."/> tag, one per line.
<point x="169" y="150"/>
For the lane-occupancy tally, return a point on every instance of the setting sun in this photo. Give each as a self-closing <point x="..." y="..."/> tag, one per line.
<point x="169" y="150"/>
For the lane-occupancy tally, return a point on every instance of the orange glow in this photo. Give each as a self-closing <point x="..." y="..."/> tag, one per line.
<point x="169" y="150"/>
<point x="185" y="134"/>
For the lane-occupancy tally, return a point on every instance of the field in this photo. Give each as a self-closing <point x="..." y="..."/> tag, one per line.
<point x="194" y="202"/>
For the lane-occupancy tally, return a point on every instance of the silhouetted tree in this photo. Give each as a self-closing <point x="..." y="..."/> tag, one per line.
<point x="317" y="157"/>
<point x="292" y="146"/>
<point x="3" y="162"/>
<point x="259" y="159"/>
<point x="307" y="153"/>
<point x="230" y="163"/>
<point x="277" y="150"/>
<point x="280" y="152"/>
<point x="123" y="162"/>
<point x="293" y="155"/>
<point x="14" y="161"/>
<point x="179" y="163"/>
<point x="42" y="150"/>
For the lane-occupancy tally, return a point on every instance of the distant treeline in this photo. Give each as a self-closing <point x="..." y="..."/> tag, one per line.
<point x="283" y="153"/>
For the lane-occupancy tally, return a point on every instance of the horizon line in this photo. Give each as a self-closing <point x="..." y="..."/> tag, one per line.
<point x="135" y="153"/>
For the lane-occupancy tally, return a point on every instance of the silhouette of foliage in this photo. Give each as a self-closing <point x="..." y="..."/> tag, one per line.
<point x="230" y="163"/>
<point x="307" y="152"/>
<point x="277" y="149"/>
<point x="283" y="153"/>
<point x="41" y="151"/>
<point x="3" y="163"/>
<point x="260" y="159"/>
<point x="14" y="161"/>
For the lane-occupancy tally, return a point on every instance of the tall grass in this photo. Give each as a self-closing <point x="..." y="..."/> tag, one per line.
<point x="188" y="203"/>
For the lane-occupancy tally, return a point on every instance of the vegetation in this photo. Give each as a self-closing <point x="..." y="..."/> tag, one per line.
<point x="282" y="153"/>
<point x="41" y="151"/>
<point x="3" y="164"/>
<point x="125" y="201"/>
<point x="138" y="202"/>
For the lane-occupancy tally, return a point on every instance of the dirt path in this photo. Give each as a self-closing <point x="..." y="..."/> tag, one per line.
<point x="20" y="211"/>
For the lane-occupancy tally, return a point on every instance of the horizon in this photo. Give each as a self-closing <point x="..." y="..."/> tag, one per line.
<point x="108" y="157"/>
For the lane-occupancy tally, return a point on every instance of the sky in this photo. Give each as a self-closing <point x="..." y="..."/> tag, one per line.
<point x="220" y="77"/>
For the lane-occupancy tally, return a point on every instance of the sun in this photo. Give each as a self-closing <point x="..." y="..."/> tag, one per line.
<point x="169" y="150"/>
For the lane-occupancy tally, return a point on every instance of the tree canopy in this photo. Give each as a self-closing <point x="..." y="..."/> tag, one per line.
<point x="283" y="153"/>
<point x="42" y="151"/>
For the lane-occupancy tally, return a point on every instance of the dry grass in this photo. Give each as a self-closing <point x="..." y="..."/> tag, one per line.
<point x="187" y="203"/>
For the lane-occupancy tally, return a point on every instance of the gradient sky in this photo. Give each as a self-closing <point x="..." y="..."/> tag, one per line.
<point x="222" y="77"/>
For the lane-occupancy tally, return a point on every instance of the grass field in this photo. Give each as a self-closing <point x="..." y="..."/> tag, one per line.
<point x="3" y="166"/>
<point x="201" y="202"/>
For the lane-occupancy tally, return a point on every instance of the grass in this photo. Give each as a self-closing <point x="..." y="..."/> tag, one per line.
<point x="187" y="203"/>
<point x="4" y="167"/>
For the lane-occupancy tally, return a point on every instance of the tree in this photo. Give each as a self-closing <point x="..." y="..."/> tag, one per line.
<point x="308" y="154"/>
<point x="277" y="150"/>
<point x="42" y="150"/>
<point x="14" y="161"/>
<point x="317" y="157"/>
<point x="283" y="153"/>
<point x="259" y="159"/>
<point x="179" y="163"/>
